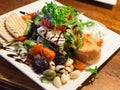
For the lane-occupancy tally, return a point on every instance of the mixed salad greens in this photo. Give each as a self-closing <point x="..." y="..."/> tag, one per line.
<point x="52" y="36"/>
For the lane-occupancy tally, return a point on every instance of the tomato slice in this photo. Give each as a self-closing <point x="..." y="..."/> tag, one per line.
<point x="46" y="22"/>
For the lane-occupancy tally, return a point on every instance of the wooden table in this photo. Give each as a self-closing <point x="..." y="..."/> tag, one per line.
<point x="109" y="74"/>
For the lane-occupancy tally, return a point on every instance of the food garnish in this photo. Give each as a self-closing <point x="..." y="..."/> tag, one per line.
<point x="94" y="71"/>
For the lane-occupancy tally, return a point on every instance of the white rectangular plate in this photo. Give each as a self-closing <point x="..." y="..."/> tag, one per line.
<point x="112" y="2"/>
<point x="111" y="44"/>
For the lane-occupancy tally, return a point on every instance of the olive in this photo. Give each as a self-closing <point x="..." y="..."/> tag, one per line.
<point x="42" y="63"/>
<point x="36" y="57"/>
<point x="37" y="69"/>
<point x="60" y="60"/>
<point x="49" y="74"/>
<point x="59" y="74"/>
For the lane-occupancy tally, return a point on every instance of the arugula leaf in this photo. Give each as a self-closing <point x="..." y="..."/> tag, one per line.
<point x="94" y="71"/>
<point x="45" y="42"/>
<point x="79" y="45"/>
<point x="58" y="15"/>
<point x="37" y="19"/>
<point x="69" y="38"/>
<point x="89" y="23"/>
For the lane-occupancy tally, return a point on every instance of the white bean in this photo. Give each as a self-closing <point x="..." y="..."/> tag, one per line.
<point x="52" y="65"/>
<point x="69" y="62"/>
<point x="57" y="82"/>
<point x="65" y="78"/>
<point x="68" y="69"/>
<point x="71" y="67"/>
<point x="59" y="67"/>
<point x="74" y="74"/>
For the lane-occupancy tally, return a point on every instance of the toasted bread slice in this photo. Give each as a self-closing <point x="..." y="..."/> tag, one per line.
<point x="15" y="25"/>
<point x="3" y="32"/>
<point x="89" y="53"/>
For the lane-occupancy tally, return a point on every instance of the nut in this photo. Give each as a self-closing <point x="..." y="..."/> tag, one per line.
<point x="52" y="65"/>
<point x="74" y="74"/>
<point x="65" y="78"/>
<point x="69" y="62"/>
<point x="57" y="82"/>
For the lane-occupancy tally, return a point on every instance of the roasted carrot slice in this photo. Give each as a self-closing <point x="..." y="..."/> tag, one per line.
<point x="36" y="49"/>
<point x="31" y="14"/>
<point x="88" y="35"/>
<point x="28" y="16"/>
<point x="79" y="65"/>
<point x="21" y="38"/>
<point x="100" y="42"/>
<point x="48" y="54"/>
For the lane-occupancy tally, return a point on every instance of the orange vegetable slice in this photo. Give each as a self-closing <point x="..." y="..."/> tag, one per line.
<point x="79" y="65"/>
<point x="100" y="42"/>
<point x="21" y="38"/>
<point x="36" y="49"/>
<point x="48" y="54"/>
<point x="28" y="16"/>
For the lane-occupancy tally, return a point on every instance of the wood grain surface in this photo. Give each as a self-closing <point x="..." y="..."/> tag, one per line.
<point x="109" y="72"/>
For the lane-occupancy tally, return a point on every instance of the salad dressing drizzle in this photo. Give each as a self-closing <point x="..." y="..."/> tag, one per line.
<point x="52" y="36"/>
<point x="58" y="39"/>
<point x="45" y="34"/>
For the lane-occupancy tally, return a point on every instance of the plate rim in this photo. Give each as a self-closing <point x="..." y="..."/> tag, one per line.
<point x="42" y="85"/>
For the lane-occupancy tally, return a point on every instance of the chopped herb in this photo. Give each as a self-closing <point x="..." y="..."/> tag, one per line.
<point x="71" y="52"/>
<point x="93" y="71"/>
<point x="45" y="42"/>
<point x="81" y="25"/>
<point x="29" y="23"/>
<point x="34" y="35"/>
<point x="29" y="43"/>
<point x="37" y="19"/>
<point x="89" y="23"/>
<point x="79" y="45"/>
<point x="69" y="38"/>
